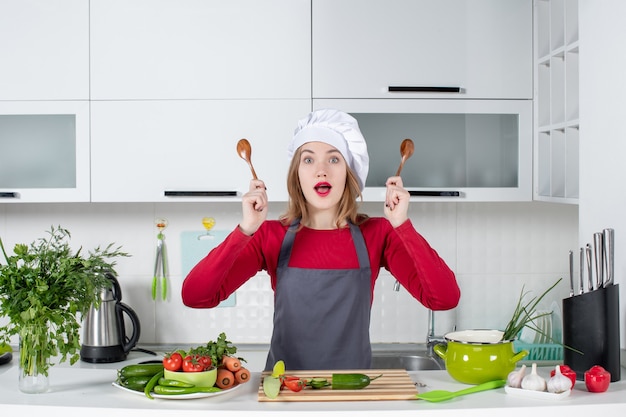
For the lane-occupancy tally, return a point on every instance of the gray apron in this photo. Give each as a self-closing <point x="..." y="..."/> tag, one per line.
<point x="322" y="316"/>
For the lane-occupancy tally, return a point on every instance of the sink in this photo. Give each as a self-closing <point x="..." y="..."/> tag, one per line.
<point x="405" y="361"/>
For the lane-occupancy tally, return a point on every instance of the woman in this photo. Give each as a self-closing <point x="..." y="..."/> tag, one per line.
<point x="323" y="256"/>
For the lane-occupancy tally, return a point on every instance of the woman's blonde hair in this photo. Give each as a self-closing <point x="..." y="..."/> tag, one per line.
<point x="297" y="208"/>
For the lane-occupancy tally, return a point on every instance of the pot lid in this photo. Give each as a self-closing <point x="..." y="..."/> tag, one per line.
<point x="476" y="336"/>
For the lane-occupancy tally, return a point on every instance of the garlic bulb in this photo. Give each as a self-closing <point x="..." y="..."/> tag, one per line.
<point x="534" y="381"/>
<point x="514" y="380"/>
<point x="559" y="382"/>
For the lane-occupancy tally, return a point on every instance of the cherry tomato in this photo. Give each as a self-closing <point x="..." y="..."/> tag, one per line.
<point x="568" y="372"/>
<point x="293" y="383"/>
<point x="597" y="379"/>
<point x="205" y="361"/>
<point x="173" y="361"/>
<point x="192" y="364"/>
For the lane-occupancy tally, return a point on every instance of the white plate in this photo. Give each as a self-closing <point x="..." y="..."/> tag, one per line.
<point x="179" y="397"/>
<point x="542" y="395"/>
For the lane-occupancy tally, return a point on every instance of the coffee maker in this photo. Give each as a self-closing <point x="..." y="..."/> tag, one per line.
<point x="104" y="331"/>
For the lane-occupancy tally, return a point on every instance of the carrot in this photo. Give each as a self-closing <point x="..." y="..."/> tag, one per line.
<point x="242" y="375"/>
<point x="225" y="378"/>
<point x="231" y="363"/>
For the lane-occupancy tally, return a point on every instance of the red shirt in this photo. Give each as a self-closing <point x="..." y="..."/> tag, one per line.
<point x="402" y="251"/>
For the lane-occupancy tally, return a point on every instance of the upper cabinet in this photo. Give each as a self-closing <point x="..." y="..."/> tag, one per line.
<point x="200" y="49"/>
<point x="465" y="49"/>
<point x="44" y="151"/>
<point x="556" y="101"/>
<point x="45" y="49"/>
<point x="185" y="150"/>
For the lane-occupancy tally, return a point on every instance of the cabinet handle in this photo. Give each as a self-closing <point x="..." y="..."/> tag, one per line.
<point x="423" y="89"/>
<point x="8" y="194"/>
<point x="415" y="193"/>
<point x="200" y="193"/>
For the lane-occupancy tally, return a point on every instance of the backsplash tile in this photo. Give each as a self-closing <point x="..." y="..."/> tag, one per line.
<point x="494" y="248"/>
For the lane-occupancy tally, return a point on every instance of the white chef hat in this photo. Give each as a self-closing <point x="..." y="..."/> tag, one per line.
<point x="337" y="129"/>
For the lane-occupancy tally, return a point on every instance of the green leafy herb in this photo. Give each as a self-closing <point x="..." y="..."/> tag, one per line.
<point x="524" y="314"/>
<point x="217" y="349"/>
<point x="45" y="289"/>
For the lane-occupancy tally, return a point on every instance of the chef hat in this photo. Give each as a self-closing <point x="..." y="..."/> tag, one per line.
<point x="337" y="129"/>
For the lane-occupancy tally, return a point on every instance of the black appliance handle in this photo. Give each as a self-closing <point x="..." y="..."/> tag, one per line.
<point x="422" y="89"/>
<point x="205" y="193"/>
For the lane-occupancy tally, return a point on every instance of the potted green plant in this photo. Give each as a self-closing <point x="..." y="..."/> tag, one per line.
<point x="45" y="289"/>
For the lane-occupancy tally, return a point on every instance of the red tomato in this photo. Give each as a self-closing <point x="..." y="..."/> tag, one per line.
<point x="568" y="372"/>
<point x="173" y="361"/>
<point x="192" y="364"/>
<point x="205" y="361"/>
<point x="293" y="383"/>
<point x="597" y="379"/>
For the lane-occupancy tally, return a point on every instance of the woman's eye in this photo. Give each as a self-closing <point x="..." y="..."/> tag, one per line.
<point x="334" y="160"/>
<point x="307" y="160"/>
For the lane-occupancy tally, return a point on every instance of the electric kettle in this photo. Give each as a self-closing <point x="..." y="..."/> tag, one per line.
<point x="104" y="331"/>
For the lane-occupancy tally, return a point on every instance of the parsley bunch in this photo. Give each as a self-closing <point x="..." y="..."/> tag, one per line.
<point x="45" y="290"/>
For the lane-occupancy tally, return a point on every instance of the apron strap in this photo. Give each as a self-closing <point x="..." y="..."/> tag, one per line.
<point x="357" y="238"/>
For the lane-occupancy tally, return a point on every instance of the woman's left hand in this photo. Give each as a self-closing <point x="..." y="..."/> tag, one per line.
<point x="396" y="202"/>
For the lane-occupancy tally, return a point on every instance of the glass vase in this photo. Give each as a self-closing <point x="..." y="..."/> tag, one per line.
<point x="33" y="360"/>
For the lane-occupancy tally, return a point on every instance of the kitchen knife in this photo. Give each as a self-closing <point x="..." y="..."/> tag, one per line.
<point x="598" y="246"/>
<point x="581" y="273"/>
<point x="589" y="270"/>
<point x="609" y="255"/>
<point x="571" y="273"/>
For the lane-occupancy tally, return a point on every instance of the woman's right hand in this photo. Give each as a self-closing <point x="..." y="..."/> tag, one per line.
<point x="254" y="204"/>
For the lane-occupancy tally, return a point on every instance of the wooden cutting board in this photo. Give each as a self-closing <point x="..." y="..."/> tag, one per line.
<point x="395" y="384"/>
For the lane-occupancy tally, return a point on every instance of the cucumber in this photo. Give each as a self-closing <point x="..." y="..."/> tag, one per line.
<point x="148" y="369"/>
<point x="351" y="381"/>
<point x="168" y="390"/>
<point x="317" y="383"/>
<point x="136" y="383"/>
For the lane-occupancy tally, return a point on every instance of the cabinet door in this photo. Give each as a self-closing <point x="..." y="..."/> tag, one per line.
<point x="44" y="151"/>
<point x="44" y="45"/>
<point x="465" y="150"/>
<point x="175" y="150"/>
<point x="199" y="49"/>
<point x="363" y="47"/>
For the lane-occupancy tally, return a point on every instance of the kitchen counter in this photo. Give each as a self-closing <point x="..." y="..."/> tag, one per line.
<point x="85" y="390"/>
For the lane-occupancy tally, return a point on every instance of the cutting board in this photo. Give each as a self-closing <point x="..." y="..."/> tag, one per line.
<point x="395" y="384"/>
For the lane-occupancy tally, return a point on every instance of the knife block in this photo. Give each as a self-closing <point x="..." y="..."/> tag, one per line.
<point x="591" y="326"/>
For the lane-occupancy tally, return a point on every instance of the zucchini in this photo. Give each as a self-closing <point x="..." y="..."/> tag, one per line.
<point x="351" y="381"/>
<point x="168" y="390"/>
<point x="148" y="369"/>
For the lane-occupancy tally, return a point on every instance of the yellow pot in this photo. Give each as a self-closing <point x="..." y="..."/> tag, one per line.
<point x="477" y="356"/>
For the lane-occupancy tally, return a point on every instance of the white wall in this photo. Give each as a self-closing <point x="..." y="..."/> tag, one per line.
<point x="494" y="248"/>
<point x="602" y="129"/>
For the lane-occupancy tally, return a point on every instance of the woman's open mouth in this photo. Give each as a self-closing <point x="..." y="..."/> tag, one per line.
<point x="322" y="188"/>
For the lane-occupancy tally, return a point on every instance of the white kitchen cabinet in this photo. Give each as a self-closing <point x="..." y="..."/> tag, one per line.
<point x="423" y="48"/>
<point x="200" y="49"/>
<point x="556" y="101"/>
<point x="44" y="45"/>
<point x="44" y="151"/>
<point x="465" y="150"/>
<point x="185" y="150"/>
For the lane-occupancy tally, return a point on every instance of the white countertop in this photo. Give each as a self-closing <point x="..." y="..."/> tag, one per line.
<point x="86" y="390"/>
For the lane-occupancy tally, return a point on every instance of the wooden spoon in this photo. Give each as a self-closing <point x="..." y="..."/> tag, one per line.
<point x="245" y="152"/>
<point x="406" y="150"/>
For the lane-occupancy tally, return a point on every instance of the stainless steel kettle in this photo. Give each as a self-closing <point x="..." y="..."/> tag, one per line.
<point x="104" y="331"/>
